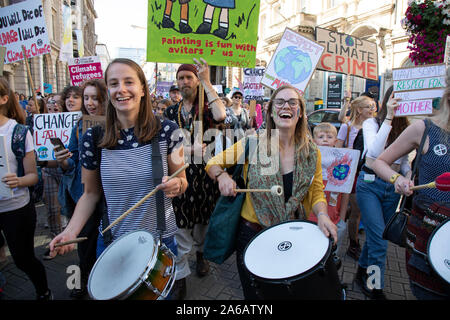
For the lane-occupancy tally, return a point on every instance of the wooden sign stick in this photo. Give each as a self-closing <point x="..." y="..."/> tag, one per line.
<point x="30" y="78"/>
<point x="201" y="105"/>
<point x="144" y="199"/>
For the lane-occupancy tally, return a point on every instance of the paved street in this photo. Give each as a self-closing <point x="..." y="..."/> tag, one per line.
<point x="221" y="284"/>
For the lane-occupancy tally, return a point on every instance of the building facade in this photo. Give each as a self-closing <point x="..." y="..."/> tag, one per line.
<point x="376" y="21"/>
<point x="49" y="69"/>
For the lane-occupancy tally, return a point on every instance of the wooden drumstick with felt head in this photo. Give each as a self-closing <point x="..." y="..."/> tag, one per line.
<point x="275" y="190"/>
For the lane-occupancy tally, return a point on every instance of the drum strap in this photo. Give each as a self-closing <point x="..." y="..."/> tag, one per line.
<point x="158" y="173"/>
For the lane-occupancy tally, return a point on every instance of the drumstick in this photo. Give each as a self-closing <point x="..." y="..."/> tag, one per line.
<point x="442" y="183"/>
<point x="275" y="190"/>
<point x="60" y="244"/>
<point x="144" y="198"/>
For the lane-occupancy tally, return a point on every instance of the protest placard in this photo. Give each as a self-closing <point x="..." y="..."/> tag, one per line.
<point x="92" y="121"/>
<point x="5" y="191"/>
<point x="23" y="24"/>
<point x="447" y="51"/>
<point x="417" y="87"/>
<point x="184" y="31"/>
<point x="339" y="168"/>
<point x="293" y="62"/>
<point x="162" y="88"/>
<point x="347" y="54"/>
<point x="52" y="125"/>
<point x="253" y="89"/>
<point x="86" y="68"/>
<point x="2" y="58"/>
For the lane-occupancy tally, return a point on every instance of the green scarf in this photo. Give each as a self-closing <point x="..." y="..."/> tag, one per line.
<point x="271" y="209"/>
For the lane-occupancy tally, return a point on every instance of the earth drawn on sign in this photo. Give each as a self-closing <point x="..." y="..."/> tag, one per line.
<point x="293" y="65"/>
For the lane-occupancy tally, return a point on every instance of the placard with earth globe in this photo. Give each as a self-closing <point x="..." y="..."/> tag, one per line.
<point x="293" y="62"/>
<point x="339" y="167"/>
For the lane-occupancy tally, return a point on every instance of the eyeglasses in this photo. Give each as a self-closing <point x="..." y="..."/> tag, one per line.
<point x="279" y="103"/>
<point x="237" y="97"/>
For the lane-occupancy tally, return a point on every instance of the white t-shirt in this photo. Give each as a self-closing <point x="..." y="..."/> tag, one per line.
<point x="21" y="196"/>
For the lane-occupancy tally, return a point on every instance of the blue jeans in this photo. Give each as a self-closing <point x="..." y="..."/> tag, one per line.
<point x="377" y="201"/>
<point x="170" y="243"/>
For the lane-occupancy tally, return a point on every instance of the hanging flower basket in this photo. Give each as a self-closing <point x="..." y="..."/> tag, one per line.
<point x="427" y="23"/>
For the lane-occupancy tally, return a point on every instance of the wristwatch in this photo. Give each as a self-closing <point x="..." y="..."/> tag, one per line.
<point x="394" y="177"/>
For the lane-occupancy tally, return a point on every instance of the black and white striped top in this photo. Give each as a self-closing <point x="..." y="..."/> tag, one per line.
<point x="126" y="175"/>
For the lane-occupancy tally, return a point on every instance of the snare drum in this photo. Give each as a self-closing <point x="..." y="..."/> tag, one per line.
<point x="293" y="260"/>
<point x="439" y="251"/>
<point x="133" y="267"/>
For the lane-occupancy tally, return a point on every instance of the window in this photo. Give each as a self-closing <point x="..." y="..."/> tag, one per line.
<point x="316" y="117"/>
<point x="331" y="117"/>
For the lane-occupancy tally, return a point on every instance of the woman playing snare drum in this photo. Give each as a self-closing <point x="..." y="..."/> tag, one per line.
<point x="120" y="163"/>
<point x="300" y="173"/>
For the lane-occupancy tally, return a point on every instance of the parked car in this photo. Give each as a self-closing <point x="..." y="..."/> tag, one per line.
<point x="324" y="115"/>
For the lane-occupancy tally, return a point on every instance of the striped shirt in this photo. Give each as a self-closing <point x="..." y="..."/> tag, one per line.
<point x="127" y="176"/>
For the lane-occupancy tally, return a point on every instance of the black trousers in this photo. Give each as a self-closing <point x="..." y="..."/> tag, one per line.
<point x="19" y="226"/>
<point x="87" y="250"/>
<point x="245" y="234"/>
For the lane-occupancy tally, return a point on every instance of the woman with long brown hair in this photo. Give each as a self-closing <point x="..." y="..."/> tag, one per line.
<point x="297" y="168"/>
<point x="376" y="198"/>
<point x="117" y="160"/>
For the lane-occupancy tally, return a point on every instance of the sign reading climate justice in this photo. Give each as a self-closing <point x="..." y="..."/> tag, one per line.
<point x="347" y="54"/>
<point x="52" y="125"/>
<point x="293" y="62"/>
<point x="86" y="68"/>
<point x="417" y="87"/>
<point x="23" y="24"/>
<point x="224" y="33"/>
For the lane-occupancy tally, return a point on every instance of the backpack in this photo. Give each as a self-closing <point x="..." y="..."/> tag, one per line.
<point x="358" y="144"/>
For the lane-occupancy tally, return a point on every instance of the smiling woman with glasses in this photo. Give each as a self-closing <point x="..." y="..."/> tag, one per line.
<point x="299" y="172"/>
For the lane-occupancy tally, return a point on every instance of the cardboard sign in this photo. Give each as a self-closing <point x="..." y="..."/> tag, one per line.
<point x="184" y="31"/>
<point x="252" y="108"/>
<point x="23" y="24"/>
<point x="92" y="121"/>
<point x="86" y="68"/>
<point x="5" y="191"/>
<point x="52" y="125"/>
<point x="347" y="54"/>
<point x="293" y="62"/>
<point x="339" y="167"/>
<point x="253" y="89"/>
<point x="417" y="87"/>
<point x="162" y="88"/>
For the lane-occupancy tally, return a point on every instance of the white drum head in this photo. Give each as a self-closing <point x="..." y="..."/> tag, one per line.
<point x="286" y="250"/>
<point x="439" y="251"/>
<point x="121" y="265"/>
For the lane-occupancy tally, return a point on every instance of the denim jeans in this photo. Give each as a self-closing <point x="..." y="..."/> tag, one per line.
<point x="377" y="201"/>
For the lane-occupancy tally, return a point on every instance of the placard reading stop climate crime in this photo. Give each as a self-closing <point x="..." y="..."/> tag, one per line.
<point x="86" y="68"/>
<point x="23" y="24"/>
<point x="293" y="62"/>
<point x="347" y="54"/>
<point x="52" y="125"/>
<point x="417" y="87"/>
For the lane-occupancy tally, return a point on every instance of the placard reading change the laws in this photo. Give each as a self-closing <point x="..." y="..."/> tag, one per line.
<point x="23" y="24"/>
<point x="417" y="87"/>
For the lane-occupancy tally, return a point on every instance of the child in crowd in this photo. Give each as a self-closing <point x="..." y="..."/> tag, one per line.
<point x="325" y="134"/>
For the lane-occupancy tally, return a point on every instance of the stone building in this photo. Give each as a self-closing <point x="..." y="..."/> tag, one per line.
<point x="376" y="21"/>
<point x="48" y="68"/>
